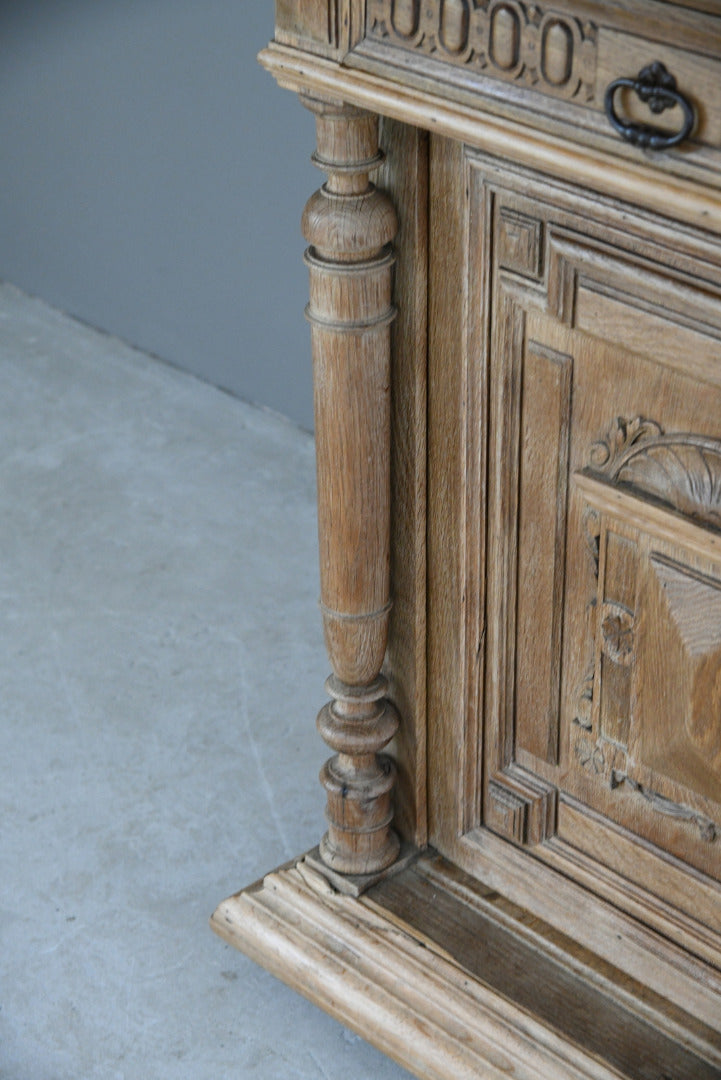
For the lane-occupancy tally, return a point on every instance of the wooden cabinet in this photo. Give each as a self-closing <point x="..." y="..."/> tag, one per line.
<point x="520" y="503"/>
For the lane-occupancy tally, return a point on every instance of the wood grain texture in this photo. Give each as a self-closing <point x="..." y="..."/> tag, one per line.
<point x="308" y="25"/>
<point x="592" y="1003"/>
<point x="684" y="194"/>
<point x="404" y="175"/>
<point x="647" y="939"/>
<point x="381" y="980"/>
<point x="537" y="467"/>
<point x="326" y="27"/>
<point x="349" y="224"/>
<point x="447" y="460"/>
<point x="442" y="974"/>
<point x="529" y="459"/>
<point x="543" y="493"/>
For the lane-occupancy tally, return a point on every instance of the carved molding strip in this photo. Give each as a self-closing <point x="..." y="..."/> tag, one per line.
<point x="506" y="39"/>
<point x="546" y="391"/>
<point x="521" y="806"/>
<point x="682" y="470"/>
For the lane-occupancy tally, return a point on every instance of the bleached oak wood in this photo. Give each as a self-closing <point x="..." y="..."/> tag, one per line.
<point x="539" y="464"/>
<point x="542" y="495"/>
<point x="400" y="966"/>
<point x="604" y="170"/>
<point x="326" y="27"/>
<point x="349" y="225"/>
<point x="404" y="175"/>
<point x="419" y="1007"/>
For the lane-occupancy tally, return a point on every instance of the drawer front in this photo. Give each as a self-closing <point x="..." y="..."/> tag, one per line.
<point x="554" y="62"/>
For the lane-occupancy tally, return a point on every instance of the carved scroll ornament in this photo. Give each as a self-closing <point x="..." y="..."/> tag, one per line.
<point x="681" y="470"/>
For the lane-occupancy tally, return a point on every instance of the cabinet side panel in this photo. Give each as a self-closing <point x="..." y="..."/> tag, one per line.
<point x="309" y="24"/>
<point x="446" y="487"/>
<point x="405" y="176"/>
<point x="324" y="27"/>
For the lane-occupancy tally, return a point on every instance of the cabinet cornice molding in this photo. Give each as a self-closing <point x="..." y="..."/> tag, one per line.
<point x="689" y="201"/>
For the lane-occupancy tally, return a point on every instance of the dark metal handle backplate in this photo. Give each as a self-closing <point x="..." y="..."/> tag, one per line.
<point x="656" y="87"/>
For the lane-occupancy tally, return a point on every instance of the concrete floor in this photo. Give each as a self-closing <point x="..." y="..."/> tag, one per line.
<point x="161" y="664"/>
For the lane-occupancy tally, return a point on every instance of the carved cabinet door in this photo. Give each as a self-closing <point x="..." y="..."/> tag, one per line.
<point x="575" y="493"/>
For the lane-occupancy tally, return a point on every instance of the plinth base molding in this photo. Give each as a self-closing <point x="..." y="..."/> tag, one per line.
<point x="397" y="990"/>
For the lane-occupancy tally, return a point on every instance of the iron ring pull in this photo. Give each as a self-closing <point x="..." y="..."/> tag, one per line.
<point x="656" y="87"/>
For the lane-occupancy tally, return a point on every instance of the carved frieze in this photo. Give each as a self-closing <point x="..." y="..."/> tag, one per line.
<point x="505" y="39"/>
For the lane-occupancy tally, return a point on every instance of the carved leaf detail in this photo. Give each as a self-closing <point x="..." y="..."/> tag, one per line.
<point x="600" y="757"/>
<point x="585" y="700"/>
<point x="590" y="756"/>
<point x="681" y="470"/>
<point x="609" y="452"/>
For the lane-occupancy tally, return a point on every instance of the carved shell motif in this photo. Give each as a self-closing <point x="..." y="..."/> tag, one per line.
<point x="681" y="470"/>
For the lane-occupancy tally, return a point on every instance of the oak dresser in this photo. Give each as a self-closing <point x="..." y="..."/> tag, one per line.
<point x="515" y="308"/>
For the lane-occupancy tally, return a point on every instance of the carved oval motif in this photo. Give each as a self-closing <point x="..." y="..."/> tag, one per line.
<point x="504" y="43"/>
<point x="617" y="629"/>
<point x="405" y="15"/>
<point x="556" y="52"/>
<point x="453" y="26"/>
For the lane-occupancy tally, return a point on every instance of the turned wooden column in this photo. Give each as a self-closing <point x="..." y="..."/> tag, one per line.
<point x="349" y="225"/>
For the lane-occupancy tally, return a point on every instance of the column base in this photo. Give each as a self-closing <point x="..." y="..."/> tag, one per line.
<point x="357" y="884"/>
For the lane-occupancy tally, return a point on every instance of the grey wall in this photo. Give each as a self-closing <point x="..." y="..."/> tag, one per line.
<point x="153" y="178"/>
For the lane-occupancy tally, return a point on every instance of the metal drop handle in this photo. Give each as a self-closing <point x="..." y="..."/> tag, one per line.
<point x="656" y="87"/>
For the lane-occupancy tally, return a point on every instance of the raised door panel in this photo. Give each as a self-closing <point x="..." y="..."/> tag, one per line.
<point x="611" y="647"/>
<point x="589" y="691"/>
